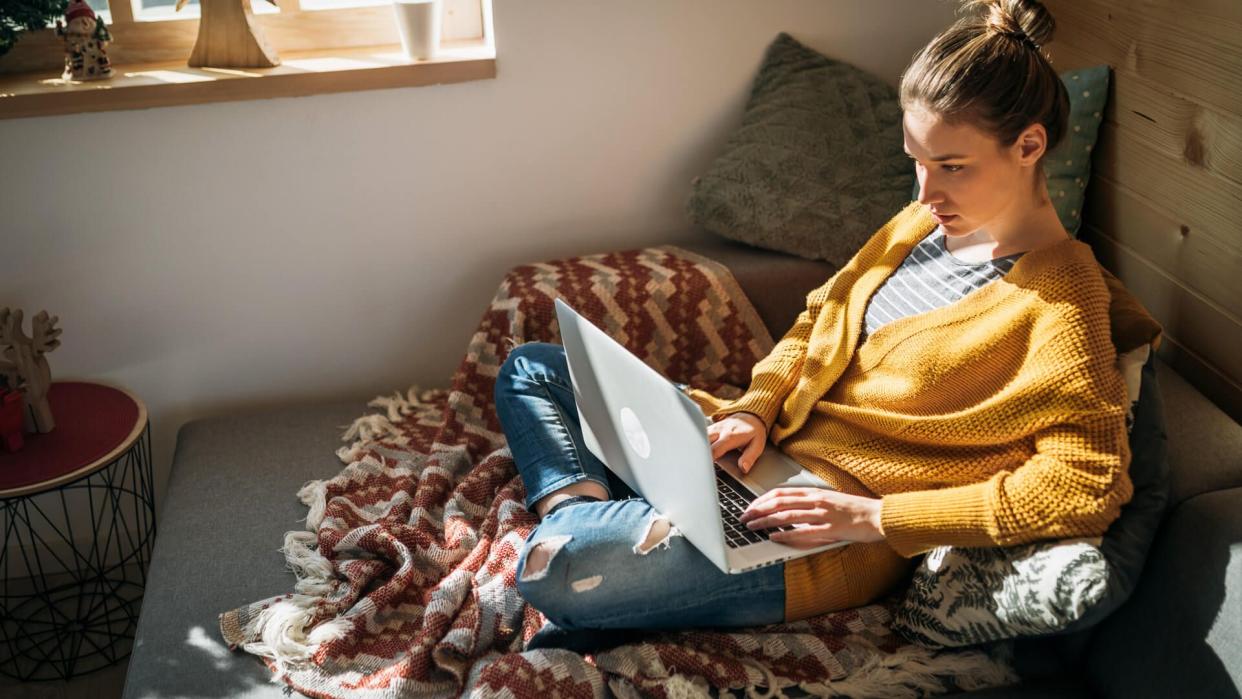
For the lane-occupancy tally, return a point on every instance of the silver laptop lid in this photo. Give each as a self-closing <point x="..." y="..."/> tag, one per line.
<point x="664" y="454"/>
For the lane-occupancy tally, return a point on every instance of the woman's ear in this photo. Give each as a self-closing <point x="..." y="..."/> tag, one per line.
<point x="1031" y="144"/>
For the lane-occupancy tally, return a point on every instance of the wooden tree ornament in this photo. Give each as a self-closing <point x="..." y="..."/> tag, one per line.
<point x="24" y="359"/>
<point x="228" y="37"/>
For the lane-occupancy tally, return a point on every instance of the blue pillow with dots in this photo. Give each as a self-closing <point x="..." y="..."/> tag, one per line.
<point x="1068" y="166"/>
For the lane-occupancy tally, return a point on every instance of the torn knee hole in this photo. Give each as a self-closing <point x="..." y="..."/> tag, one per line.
<point x="586" y="584"/>
<point x="658" y="533"/>
<point x="540" y="556"/>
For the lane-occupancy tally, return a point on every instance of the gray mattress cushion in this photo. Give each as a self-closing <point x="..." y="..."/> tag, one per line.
<point x="1205" y="444"/>
<point x="1180" y="634"/>
<point x="775" y="283"/>
<point x="231" y="497"/>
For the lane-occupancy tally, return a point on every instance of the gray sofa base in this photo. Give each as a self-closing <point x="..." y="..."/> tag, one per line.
<point x="232" y="497"/>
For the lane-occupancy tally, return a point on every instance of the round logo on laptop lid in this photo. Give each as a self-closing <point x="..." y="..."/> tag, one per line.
<point x="635" y="434"/>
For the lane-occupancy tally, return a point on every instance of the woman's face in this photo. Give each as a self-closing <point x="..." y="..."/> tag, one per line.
<point x="967" y="180"/>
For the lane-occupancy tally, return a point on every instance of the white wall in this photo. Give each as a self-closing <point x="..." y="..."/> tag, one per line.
<point x="244" y="254"/>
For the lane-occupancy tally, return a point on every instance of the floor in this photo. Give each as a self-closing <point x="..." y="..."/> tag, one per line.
<point x="102" y="684"/>
<point x="110" y="618"/>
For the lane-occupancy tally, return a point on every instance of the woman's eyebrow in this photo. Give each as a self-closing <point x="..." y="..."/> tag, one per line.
<point x="938" y="158"/>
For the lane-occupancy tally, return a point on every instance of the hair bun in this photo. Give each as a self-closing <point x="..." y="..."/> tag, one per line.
<point x="1025" y="20"/>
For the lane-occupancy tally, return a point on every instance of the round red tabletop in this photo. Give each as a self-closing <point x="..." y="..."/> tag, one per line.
<point x="95" y="424"/>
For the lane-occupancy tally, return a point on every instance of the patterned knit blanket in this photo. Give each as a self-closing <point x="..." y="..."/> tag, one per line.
<point x="406" y="570"/>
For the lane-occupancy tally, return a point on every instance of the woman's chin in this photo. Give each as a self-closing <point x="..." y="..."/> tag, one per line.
<point x="954" y="227"/>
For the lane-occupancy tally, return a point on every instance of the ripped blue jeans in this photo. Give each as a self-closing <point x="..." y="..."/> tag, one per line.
<point x="617" y="563"/>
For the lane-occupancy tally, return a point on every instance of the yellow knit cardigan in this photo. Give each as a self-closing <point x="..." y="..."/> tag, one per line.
<point x="994" y="421"/>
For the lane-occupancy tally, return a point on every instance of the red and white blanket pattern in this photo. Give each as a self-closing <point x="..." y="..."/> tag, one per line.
<point x="406" y="570"/>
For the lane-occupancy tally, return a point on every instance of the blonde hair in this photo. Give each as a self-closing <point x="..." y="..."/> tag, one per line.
<point x="989" y="70"/>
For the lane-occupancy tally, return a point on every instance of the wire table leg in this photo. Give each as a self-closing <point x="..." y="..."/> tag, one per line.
<point x="69" y="607"/>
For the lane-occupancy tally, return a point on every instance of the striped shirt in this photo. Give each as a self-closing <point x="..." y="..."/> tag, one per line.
<point x="929" y="278"/>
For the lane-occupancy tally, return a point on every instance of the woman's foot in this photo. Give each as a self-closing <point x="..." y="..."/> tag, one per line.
<point x="590" y="488"/>
<point x="582" y="640"/>
<point x="571" y="500"/>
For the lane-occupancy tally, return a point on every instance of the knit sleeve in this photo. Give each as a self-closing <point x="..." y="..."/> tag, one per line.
<point x="774" y="376"/>
<point x="1073" y="485"/>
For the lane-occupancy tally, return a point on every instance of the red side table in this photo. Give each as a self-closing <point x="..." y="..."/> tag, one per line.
<point x="77" y="506"/>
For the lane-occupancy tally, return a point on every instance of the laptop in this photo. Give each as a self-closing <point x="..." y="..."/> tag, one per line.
<point x="649" y="433"/>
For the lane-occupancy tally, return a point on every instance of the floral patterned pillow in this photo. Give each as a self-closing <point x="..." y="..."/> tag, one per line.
<point x="963" y="596"/>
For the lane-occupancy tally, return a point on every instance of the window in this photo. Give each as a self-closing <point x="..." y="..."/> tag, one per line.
<point x="152" y="31"/>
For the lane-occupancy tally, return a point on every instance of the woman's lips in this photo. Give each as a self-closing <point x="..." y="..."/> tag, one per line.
<point x="943" y="218"/>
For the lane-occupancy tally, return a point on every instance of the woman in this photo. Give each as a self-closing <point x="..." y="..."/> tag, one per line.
<point x="955" y="382"/>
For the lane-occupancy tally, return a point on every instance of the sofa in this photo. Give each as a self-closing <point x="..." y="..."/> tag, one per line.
<point x="231" y="498"/>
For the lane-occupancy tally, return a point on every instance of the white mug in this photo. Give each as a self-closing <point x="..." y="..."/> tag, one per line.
<point x="418" y="21"/>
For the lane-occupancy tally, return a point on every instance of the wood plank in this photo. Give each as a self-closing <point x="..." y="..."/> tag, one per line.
<point x="1208" y="204"/>
<point x="1171" y="124"/>
<point x="1191" y="53"/>
<point x="1162" y="238"/>
<point x="1210" y="330"/>
<point x="122" y="11"/>
<point x="1204" y="10"/>
<point x="314" y="72"/>
<point x="1229" y="10"/>
<point x="170" y="40"/>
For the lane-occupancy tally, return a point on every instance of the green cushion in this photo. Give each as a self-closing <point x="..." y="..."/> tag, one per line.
<point x="817" y="165"/>
<point x="1068" y="166"/>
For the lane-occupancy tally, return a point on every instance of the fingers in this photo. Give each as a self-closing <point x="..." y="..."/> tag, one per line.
<point x="785" y="518"/>
<point x="734" y="433"/>
<point x="725" y="444"/>
<point x="751" y="454"/>
<point x="805" y="537"/>
<point x="779" y="499"/>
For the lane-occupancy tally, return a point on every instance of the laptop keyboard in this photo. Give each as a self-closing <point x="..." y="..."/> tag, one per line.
<point x="734" y="499"/>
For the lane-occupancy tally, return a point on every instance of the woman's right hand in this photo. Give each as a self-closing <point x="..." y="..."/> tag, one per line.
<point x="744" y="431"/>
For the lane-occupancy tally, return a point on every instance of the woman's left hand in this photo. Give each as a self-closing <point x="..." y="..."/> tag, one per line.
<point x="829" y="516"/>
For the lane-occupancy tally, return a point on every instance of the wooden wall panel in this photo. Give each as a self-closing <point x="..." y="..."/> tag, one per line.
<point x="1210" y="205"/>
<point x="1155" y="234"/>
<point x="1166" y="122"/>
<point x="1190" y="318"/>
<point x="1170" y="45"/>
<point x="1200" y="337"/>
<point x="1164" y="204"/>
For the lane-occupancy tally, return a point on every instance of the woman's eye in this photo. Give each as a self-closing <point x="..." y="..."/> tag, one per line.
<point x="954" y="168"/>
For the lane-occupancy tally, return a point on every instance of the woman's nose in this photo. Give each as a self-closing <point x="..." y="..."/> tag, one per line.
<point x="927" y="194"/>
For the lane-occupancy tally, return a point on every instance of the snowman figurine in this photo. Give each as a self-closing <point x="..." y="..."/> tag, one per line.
<point x="85" y="36"/>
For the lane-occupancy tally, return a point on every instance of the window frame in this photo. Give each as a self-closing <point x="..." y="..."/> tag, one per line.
<point x="291" y="30"/>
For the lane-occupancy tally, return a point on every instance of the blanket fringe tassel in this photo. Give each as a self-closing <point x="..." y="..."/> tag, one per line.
<point x="314" y="495"/>
<point x="369" y="428"/>
<point x="281" y="628"/>
<point x="314" y="572"/>
<point x="916" y="672"/>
